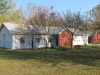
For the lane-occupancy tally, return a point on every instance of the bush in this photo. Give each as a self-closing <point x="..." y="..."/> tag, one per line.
<point x="62" y="49"/>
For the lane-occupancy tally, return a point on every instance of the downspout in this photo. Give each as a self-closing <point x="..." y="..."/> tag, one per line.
<point x="4" y="40"/>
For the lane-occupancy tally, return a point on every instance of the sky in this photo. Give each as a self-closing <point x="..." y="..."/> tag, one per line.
<point x="61" y="5"/>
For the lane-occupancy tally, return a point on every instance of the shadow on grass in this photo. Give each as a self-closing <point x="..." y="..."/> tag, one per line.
<point x="86" y="56"/>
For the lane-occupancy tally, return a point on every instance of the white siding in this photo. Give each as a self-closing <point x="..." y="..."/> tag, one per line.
<point x="8" y="40"/>
<point x="5" y="38"/>
<point x="43" y="41"/>
<point x="18" y="45"/>
<point x="80" y="40"/>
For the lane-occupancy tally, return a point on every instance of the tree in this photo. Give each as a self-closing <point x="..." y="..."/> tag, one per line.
<point x="17" y="16"/>
<point x="5" y="17"/>
<point x="4" y="6"/>
<point x="95" y="18"/>
<point x="12" y="15"/>
<point x="44" y="20"/>
<point x="31" y="8"/>
<point x="74" y="22"/>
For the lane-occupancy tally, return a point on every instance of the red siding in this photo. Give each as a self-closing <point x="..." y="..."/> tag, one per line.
<point x="65" y="38"/>
<point x="97" y="38"/>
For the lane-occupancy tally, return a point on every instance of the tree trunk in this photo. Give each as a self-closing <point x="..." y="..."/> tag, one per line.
<point x="92" y="40"/>
<point x="32" y="41"/>
<point x="72" y="41"/>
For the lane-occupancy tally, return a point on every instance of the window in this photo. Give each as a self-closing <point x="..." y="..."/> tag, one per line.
<point x="37" y="40"/>
<point x="22" y="40"/>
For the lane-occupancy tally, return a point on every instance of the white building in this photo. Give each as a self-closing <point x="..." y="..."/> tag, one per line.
<point x="80" y="40"/>
<point x="18" y="36"/>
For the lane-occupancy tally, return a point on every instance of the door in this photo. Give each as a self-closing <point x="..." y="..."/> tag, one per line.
<point x="55" y="40"/>
<point x="37" y="42"/>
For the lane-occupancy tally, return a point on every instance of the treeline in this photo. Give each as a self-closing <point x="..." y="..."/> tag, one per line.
<point x="9" y="13"/>
<point x="43" y="15"/>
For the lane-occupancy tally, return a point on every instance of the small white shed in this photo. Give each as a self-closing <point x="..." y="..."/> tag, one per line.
<point x="10" y="39"/>
<point x="5" y="38"/>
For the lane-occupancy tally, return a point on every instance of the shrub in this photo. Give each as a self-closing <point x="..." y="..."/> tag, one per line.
<point x="62" y="49"/>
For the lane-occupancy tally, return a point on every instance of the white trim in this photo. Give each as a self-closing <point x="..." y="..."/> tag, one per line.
<point x="62" y="31"/>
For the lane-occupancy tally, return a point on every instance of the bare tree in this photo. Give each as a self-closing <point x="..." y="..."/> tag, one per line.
<point x="84" y="29"/>
<point x="44" y="21"/>
<point x="74" y="22"/>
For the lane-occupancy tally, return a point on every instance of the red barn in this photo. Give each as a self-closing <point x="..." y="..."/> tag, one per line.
<point x="65" y="37"/>
<point x="61" y="37"/>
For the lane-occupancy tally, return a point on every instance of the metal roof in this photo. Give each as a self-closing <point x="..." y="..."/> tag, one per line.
<point x="37" y="29"/>
<point x="29" y="29"/>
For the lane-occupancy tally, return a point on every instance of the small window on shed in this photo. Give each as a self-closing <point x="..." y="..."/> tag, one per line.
<point x="22" y="40"/>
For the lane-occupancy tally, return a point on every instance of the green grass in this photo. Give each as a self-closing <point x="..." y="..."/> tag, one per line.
<point x="84" y="61"/>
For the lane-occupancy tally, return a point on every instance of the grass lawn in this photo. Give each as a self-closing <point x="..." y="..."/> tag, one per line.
<point x="84" y="61"/>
